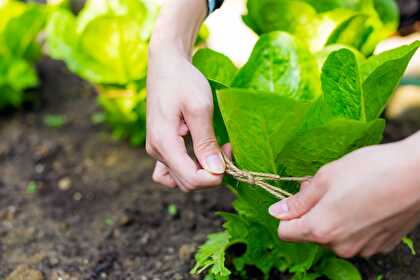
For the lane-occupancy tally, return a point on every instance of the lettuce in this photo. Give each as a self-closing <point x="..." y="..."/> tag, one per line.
<point x="359" y="23"/>
<point x="20" y="25"/>
<point x="106" y="44"/>
<point x="297" y="117"/>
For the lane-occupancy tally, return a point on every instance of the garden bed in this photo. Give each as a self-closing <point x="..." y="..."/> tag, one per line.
<point x="92" y="211"/>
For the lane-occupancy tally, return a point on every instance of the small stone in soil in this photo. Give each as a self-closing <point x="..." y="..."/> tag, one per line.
<point x="23" y="272"/>
<point x="77" y="196"/>
<point x="64" y="184"/>
<point x="185" y="252"/>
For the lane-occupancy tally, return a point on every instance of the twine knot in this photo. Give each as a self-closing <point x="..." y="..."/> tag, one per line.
<point x="260" y="179"/>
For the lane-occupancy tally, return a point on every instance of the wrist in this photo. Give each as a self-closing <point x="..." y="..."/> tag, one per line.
<point x="177" y="26"/>
<point x="168" y="49"/>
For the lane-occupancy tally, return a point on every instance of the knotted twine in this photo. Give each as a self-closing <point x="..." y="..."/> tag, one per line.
<point x="260" y="179"/>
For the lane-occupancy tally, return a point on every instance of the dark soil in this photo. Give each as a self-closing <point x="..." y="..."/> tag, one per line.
<point x="96" y="214"/>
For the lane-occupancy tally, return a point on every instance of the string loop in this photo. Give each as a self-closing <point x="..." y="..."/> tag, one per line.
<point x="260" y="179"/>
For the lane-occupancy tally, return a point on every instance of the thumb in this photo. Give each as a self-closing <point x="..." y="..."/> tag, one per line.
<point x="299" y="204"/>
<point x="206" y="149"/>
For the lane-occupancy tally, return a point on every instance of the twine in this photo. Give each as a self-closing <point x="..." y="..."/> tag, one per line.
<point x="260" y="179"/>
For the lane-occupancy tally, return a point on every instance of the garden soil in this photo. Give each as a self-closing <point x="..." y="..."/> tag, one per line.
<point x="76" y="204"/>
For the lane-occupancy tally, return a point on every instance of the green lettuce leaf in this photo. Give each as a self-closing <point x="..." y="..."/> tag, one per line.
<point x="20" y="25"/>
<point x="119" y="56"/>
<point x="274" y="126"/>
<point x="212" y="256"/>
<point x="125" y="110"/>
<point x="361" y="24"/>
<point x="301" y="157"/>
<point x="217" y="67"/>
<point x="220" y="71"/>
<point x="381" y="74"/>
<point x="341" y="85"/>
<point x="282" y="65"/>
<point x="339" y="269"/>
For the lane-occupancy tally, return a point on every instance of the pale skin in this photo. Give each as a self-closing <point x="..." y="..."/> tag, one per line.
<point x="361" y="204"/>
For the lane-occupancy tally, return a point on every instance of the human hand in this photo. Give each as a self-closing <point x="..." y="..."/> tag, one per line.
<point x="180" y="101"/>
<point x="362" y="204"/>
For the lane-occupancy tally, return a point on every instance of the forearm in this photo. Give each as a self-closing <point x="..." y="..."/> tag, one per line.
<point x="177" y="26"/>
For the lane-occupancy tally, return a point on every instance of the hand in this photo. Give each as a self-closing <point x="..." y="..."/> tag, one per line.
<point x="180" y="101"/>
<point x="361" y="204"/>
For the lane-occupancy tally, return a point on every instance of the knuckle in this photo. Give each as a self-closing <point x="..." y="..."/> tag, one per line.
<point x="205" y="144"/>
<point x="190" y="185"/>
<point x="295" y="204"/>
<point x="325" y="233"/>
<point x="322" y="236"/>
<point x="322" y="176"/>
<point x="198" y="108"/>
<point x="345" y="252"/>
<point x="306" y="229"/>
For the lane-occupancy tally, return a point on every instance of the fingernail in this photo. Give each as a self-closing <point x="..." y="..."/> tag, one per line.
<point x="279" y="209"/>
<point x="215" y="164"/>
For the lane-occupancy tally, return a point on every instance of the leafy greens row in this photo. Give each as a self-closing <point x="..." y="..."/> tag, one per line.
<point x="302" y="107"/>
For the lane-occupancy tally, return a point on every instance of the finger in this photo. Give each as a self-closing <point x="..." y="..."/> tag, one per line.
<point x="161" y="175"/>
<point x="296" y="230"/>
<point x="299" y="204"/>
<point x="227" y="150"/>
<point x="200" y="123"/>
<point x="182" y="166"/>
<point x="374" y="246"/>
<point x="183" y="129"/>
<point x="352" y="246"/>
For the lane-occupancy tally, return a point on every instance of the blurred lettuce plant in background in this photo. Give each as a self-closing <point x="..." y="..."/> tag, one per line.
<point x="20" y="25"/>
<point x="361" y="24"/>
<point x="106" y="44"/>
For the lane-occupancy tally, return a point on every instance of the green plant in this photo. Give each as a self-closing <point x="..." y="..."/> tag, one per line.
<point x="20" y="25"/>
<point x="106" y="44"/>
<point x="289" y="111"/>
<point x="54" y="121"/>
<point x="357" y="23"/>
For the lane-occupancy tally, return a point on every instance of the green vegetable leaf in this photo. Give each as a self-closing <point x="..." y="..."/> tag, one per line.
<point x="341" y="85"/>
<point x="220" y="71"/>
<point x="125" y="110"/>
<point x="302" y="158"/>
<point x="282" y="65"/>
<point x="211" y="256"/>
<point x="21" y="32"/>
<point x="348" y="32"/>
<point x="410" y="245"/>
<point x="217" y="68"/>
<point x="283" y="116"/>
<point x="380" y="76"/>
<point x="388" y="13"/>
<point x="361" y="24"/>
<point x="264" y="140"/>
<point x="20" y="25"/>
<point x="119" y="56"/>
<point x="54" y="121"/>
<point x="339" y="269"/>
